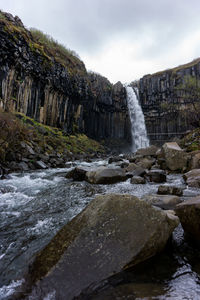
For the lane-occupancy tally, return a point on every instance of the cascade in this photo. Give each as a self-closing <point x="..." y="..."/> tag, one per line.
<point x="138" y="128"/>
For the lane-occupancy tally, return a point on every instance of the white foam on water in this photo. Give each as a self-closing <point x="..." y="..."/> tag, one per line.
<point x="41" y="227"/>
<point x="8" y="290"/>
<point x="50" y="296"/>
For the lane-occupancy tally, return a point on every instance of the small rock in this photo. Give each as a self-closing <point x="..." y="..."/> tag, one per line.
<point x="23" y="166"/>
<point x="157" y="176"/>
<point x="78" y="173"/>
<point x="40" y="164"/>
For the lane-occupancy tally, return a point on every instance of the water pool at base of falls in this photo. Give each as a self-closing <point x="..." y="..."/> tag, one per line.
<point x="35" y="205"/>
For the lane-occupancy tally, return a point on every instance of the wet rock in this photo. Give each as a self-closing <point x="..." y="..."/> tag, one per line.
<point x="114" y="159"/>
<point x="23" y="166"/>
<point x="40" y="165"/>
<point x="189" y="212"/>
<point x="113" y="233"/>
<point x="176" y="159"/>
<point x="192" y="178"/>
<point x="149" y="151"/>
<point x="103" y="175"/>
<point x="137" y="180"/>
<point x="170" y="190"/>
<point x="162" y="201"/>
<point x="4" y="174"/>
<point x="78" y="173"/>
<point x="157" y="176"/>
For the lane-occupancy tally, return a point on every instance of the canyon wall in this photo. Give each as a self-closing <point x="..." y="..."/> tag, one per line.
<point x="57" y="92"/>
<point x="170" y="105"/>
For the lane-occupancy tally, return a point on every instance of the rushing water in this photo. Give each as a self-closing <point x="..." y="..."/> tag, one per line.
<point x="138" y="128"/>
<point x="35" y="205"/>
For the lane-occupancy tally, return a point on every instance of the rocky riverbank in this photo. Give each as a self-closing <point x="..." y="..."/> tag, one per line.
<point x="28" y="145"/>
<point x="117" y="231"/>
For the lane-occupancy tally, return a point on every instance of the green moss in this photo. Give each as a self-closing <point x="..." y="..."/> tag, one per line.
<point x="55" y="138"/>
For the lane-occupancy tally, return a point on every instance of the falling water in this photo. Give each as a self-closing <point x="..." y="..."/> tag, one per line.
<point x="138" y="128"/>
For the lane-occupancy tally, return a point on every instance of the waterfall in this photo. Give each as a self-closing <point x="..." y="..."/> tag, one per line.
<point x="138" y="128"/>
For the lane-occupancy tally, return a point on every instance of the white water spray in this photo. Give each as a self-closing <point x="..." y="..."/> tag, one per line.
<point x="138" y="128"/>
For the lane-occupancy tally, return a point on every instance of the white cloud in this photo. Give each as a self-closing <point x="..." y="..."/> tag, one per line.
<point x="121" y="39"/>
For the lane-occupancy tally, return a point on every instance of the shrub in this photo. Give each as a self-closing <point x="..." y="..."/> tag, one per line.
<point x="12" y="132"/>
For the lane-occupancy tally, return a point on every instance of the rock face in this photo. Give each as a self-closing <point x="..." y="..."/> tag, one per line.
<point x="176" y="159"/>
<point x="167" y="108"/>
<point x="62" y="95"/>
<point x="113" y="232"/>
<point x="189" y="214"/>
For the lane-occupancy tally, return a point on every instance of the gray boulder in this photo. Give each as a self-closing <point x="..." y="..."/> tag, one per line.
<point x="189" y="212"/>
<point x="112" y="233"/>
<point x="176" y="159"/>
<point x="103" y="175"/>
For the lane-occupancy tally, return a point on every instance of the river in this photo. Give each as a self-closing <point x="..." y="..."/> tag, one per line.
<point x="35" y="205"/>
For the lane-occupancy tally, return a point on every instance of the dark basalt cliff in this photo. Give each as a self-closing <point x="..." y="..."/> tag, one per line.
<point x="57" y="92"/>
<point x="170" y="110"/>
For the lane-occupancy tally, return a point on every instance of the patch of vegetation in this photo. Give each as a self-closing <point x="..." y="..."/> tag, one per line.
<point x="191" y="142"/>
<point x="12" y="133"/>
<point x="49" y="138"/>
<point x="2" y="17"/>
<point x="62" y="54"/>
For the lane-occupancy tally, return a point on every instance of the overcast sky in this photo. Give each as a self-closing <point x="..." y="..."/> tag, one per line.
<point x="120" y="39"/>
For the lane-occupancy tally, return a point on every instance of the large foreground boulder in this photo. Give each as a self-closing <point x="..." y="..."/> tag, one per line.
<point x="111" y="234"/>
<point x="189" y="214"/>
<point x="103" y="175"/>
<point x="176" y="159"/>
<point x="192" y="178"/>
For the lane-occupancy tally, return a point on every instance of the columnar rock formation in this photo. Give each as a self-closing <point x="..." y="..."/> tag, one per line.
<point x="56" y="93"/>
<point x="169" y="109"/>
